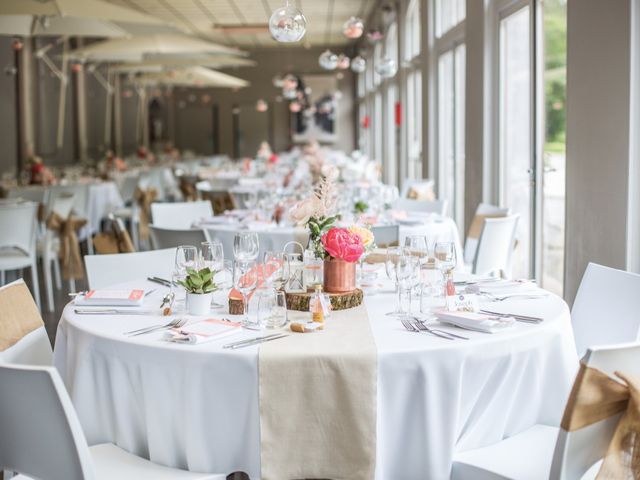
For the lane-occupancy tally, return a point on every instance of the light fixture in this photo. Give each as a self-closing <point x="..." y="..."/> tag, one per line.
<point x="277" y="81"/>
<point x="289" y="93"/>
<point x="386" y="68"/>
<point x="289" y="82"/>
<point x="295" y="107"/>
<point x="353" y="28"/>
<point x="343" y="62"/>
<point x="287" y="24"/>
<point x="328" y="60"/>
<point x="358" y="64"/>
<point x="262" y="106"/>
<point x="374" y="36"/>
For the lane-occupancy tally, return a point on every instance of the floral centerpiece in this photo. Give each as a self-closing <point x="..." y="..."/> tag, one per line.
<point x="343" y="248"/>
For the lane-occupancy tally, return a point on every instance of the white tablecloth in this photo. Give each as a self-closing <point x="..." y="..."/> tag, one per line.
<point x="274" y="238"/>
<point x="104" y="198"/>
<point x="196" y="407"/>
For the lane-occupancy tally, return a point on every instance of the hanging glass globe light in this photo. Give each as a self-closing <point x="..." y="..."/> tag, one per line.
<point x="343" y="62"/>
<point x="287" y="24"/>
<point x="374" y="36"/>
<point x="386" y="68"/>
<point x="277" y="81"/>
<point x="289" y="82"/>
<point x="289" y="93"/>
<point x="328" y="60"/>
<point x="262" y="106"/>
<point x="358" y="64"/>
<point x="353" y="28"/>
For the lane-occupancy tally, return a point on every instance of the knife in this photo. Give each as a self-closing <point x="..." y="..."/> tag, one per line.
<point x="522" y="318"/>
<point x="260" y="340"/>
<point x="112" y="311"/>
<point x="251" y="340"/>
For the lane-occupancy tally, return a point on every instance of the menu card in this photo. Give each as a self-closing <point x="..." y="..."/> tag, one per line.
<point x="111" y="298"/>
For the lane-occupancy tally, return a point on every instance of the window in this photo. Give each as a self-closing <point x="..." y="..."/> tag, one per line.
<point x="451" y="82"/>
<point x="412" y="31"/>
<point x="391" y="43"/>
<point x="376" y="130"/>
<point x="391" y="146"/>
<point x="414" y="124"/>
<point x="448" y="14"/>
<point x="515" y="114"/>
<point x="377" y="57"/>
<point x="449" y="77"/>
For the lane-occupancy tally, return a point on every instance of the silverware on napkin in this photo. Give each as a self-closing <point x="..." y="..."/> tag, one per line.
<point x="255" y="341"/>
<point x="175" y="323"/>
<point x="516" y="316"/>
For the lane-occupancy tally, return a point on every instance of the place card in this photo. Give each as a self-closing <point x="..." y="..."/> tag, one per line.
<point x="463" y="303"/>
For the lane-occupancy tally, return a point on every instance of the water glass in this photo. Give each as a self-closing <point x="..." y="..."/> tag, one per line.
<point x="417" y="245"/>
<point x="272" y="309"/>
<point x="246" y="246"/>
<point x="186" y="257"/>
<point x="445" y="255"/>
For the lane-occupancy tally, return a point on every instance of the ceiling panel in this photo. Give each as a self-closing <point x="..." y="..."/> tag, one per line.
<point x="324" y="18"/>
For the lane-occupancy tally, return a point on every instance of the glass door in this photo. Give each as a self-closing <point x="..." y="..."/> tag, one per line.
<point x="516" y="114"/>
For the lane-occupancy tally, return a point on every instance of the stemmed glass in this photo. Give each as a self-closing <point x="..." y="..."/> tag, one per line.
<point x="212" y="257"/>
<point x="246" y="246"/>
<point x="405" y="274"/>
<point x="445" y="255"/>
<point x="245" y="279"/>
<point x="273" y="264"/>
<point x="186" y="257"/>
<point x="390" y="265"/>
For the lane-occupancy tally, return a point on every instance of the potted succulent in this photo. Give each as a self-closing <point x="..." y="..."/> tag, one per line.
<point x="200" y="286"/>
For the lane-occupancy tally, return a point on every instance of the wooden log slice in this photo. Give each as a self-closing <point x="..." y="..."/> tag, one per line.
<point x="339" y="301"/>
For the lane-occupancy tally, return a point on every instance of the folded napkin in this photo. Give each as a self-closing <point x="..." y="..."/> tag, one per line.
<point x="475" y="321"/>
<point x="111" y="298"/>
<point x="202" y="332"/>
<point x="507" y="286"/>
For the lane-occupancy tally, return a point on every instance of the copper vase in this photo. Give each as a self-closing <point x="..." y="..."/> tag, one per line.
<point x="339" y="276"/>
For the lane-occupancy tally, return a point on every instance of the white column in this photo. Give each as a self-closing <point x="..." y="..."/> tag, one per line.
<point x="633" y="230"/>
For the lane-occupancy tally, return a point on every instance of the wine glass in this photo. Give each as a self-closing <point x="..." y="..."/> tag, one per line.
<point x="245" y="279"/>
<point x="212" y="255"/>
<point x="405" y="274"/>
<point x="186" y="257"/>
<point x="273" y="269"/>
<point x="391" y="261"/>
<point x="445" y="255"/>
<point x="418" y="246"/>
<point x="245" y="246"/>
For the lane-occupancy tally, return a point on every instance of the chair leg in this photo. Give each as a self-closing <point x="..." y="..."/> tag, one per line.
<point x="48" y="283"/>
<point x="36" y="283"/>
<point x="134" y="234"/>
<point x="72" y="285"/>
<point x="90" y="244"/>
<point x="2" y="278"/>
<point x="56" y="272"/>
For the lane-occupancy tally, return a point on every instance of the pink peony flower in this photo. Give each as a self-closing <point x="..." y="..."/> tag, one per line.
<point x="342" y="244"/>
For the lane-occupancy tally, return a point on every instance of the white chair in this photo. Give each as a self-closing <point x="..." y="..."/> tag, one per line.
<point x="471" y="243"/>
<point x="81" y="207"/>
<point x="606" y="309"/>
<point x="530" y="455"/>
<point x="18" y="241"/>
<point x="386" y="235"/>
<point x="42" y="437"/>
<point x="34" y="348"/>
<point x="36" y="193"/>
<point x="179" y="215"/>
<point x="422" y="206"/>
<point x="107" y="270"/>
<point x="171" y="237"/>
<point x="422" y="187"/>
<point x="495" y="246"/>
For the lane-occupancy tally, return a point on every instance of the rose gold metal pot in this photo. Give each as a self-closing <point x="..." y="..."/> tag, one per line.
<point x="339" y="276"/>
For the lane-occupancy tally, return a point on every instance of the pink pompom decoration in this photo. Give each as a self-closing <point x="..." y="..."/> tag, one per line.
<point x="340" y="243"/>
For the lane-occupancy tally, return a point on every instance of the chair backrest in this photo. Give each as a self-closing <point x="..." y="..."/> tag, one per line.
<point x="41" y="434"/>
<point x="422" y="206"/>
<point x="180" y="214"/>
<point x="34" y="347"/>
<point x="475" y="227"/>
<point x="22" y="218"/>
<point x="81" y="198"/>
<point x="62" y="204"/>
<point x="386" y="235"/>
<point x="495" y="246"/>
<point x="160" y="178"/>
<point x="107" y="270"/>
<point x="128" y="187"/>
<point x="172" y="238"/>
<point x="606" y="308"/>
<point x="577" y="451"/>
<point x="421" y="187"/>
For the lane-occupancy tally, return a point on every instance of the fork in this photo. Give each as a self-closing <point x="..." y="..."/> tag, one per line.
<point x="524" y="296"/>
<point x="425" y="328"/>
<point x="412" y="328"/>
<point x="176" y="322"/>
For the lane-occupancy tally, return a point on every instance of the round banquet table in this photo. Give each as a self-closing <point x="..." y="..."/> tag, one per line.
<point x="196" y="406"/>
<point x="274" y="238"/>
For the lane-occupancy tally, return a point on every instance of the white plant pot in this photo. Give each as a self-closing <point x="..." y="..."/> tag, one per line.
<point x="199" y="303"/>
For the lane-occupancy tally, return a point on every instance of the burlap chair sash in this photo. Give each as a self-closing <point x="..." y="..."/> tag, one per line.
<point x="72" y="266"/>
<point x="188" y="190"/>
<point x="478" y="222"/>
<point x="115" y="241"/>
<point x="595" y="397"/>
<point x="145" y="198"/>
<point x="19" y="315"/>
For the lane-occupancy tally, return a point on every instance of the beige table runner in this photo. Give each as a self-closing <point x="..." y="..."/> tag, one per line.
<point x="318" y="402"/>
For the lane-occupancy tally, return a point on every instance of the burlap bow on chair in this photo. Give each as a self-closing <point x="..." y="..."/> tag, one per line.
<point x="72" y="267"/>
<point x="145" y="198"/>
<point x="117" y="240"/>
<point x="188" y="189"/>
<point x="596" y="397"/>
<point x="220" y="201"/>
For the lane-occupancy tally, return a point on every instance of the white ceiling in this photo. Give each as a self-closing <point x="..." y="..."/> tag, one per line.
<point x="324" y="18"/>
